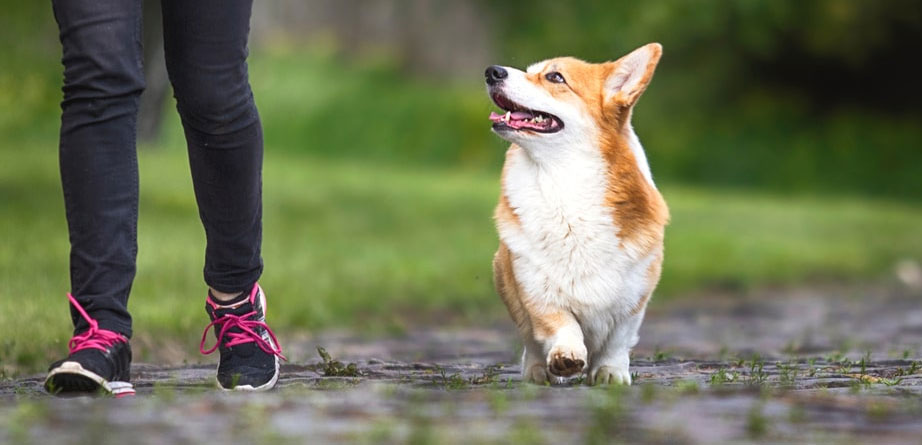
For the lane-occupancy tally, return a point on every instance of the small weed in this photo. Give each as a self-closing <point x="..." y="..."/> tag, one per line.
<point x="837" y="357"/>
<point x="857" y="384"/>
<point x="335" y="368"/>
<point x="722" y="377"/>
<point x="788" y="373"/>
<point x="52" y="389"/>
<point x="843" y="365"/>
<point x="489" y="375"/>
<point x="911" y="370"/>
<point x="660" y="355"/>
<point x="454" y="381"/>
<point x="507" y="383"/>
<point x="891" y="382"/>
<point x="864" y="362"/>
<point x="757" y="375"/>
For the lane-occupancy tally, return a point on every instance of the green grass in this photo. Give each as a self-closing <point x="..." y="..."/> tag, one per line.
<point x="368" y="246"/>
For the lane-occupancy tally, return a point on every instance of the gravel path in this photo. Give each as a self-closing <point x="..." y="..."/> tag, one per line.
<point x="827" y="366"/>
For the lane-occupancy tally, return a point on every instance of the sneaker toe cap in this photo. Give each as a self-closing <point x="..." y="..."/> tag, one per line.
<point x="249" y="376"/>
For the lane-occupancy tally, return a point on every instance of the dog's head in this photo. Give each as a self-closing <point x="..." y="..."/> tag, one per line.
<point x="564" y="100"/>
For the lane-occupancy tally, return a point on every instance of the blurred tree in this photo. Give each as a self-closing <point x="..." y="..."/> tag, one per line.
<point x="150" y="117"/>
<point x="427" y="37"/>
<point x="830" y="52"/>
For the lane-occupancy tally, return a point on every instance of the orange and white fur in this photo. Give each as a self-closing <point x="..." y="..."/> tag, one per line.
<point x="580" y="220"/>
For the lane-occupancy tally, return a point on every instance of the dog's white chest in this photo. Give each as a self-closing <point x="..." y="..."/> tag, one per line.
<point x="566" y="246"/>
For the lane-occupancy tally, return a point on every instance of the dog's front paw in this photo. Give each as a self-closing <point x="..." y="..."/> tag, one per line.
<point x="536" y="374"/>
<point x="610" y="375"/>
<point x="566" y="361"/>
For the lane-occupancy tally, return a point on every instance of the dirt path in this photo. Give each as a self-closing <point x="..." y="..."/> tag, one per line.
<point x="831" y="367"/>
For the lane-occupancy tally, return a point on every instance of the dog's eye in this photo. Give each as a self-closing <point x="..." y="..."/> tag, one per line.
<point x="555" y="77"/>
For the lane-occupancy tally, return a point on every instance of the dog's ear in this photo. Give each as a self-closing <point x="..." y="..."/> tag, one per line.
<point x="629" y="76"/>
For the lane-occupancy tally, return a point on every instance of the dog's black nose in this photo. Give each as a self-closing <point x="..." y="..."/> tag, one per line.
<point x="495" y="74"/>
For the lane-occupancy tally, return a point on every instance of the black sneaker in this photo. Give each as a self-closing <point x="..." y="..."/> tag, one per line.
<point x="249" y="350"/>
<point x="99" y="361"/>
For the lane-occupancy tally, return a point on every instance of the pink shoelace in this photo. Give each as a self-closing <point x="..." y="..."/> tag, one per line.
<point x="248" y="334"/>
<point x="93" y="338"/>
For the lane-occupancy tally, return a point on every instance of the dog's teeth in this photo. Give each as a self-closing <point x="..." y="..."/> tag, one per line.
<point x="507" y="116"/>
<point x="538" y="119"/>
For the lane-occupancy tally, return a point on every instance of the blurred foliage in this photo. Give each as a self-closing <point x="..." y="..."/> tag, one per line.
<point x="369" y="110"/>
<point x="856" y="49"/>
<point x="30" y="71"/>
<point x="817" y="96"/>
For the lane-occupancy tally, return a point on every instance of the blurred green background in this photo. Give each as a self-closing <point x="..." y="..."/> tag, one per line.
<point x="785" y="136"/>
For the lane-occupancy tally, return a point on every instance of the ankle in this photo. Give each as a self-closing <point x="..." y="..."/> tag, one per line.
<point x="223" y="296"/>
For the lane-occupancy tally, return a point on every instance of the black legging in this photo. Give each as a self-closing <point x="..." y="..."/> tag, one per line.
<point x="206" y="50"/>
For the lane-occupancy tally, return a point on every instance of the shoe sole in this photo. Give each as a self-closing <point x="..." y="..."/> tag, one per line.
<point x="275" y="377"/>
<point x="72" y="378"/>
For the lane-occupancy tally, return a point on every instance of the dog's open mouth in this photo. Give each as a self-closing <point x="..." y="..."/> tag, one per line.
<point x="518" y="118"/>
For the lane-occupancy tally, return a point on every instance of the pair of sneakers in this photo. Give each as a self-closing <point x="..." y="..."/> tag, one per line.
<point x="100" y="360"/>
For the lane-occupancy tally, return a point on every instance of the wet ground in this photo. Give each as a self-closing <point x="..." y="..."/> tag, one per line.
<point x="830" y="366"/>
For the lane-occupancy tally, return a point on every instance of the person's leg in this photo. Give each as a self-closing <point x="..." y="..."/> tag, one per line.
<point x="206" y="49"/>
<point x="103" y="80"/>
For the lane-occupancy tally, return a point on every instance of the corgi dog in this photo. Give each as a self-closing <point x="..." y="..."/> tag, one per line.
<point x="580" y="222"/>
